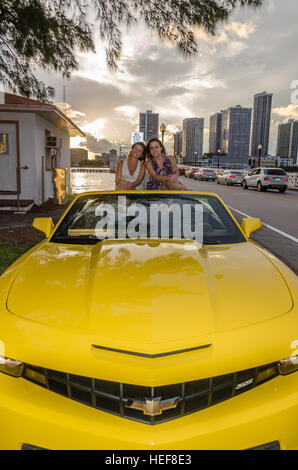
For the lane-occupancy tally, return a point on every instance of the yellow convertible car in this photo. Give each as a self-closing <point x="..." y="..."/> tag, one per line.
<point x="148" y="320"/>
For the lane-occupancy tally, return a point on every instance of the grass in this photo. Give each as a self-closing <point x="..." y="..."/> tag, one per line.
<point x="9" y="254"/>
<point x="15" y="242"/>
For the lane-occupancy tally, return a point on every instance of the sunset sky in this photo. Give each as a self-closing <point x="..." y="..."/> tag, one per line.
<point x="255" y="52"/>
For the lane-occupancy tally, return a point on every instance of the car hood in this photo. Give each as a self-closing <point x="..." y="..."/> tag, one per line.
<point x="131" y="293"/>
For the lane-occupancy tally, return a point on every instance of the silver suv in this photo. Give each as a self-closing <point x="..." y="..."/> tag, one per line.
<point x="266" y="178"/>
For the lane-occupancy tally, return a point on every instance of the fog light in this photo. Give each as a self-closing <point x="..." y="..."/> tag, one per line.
<point x="266" y="374"/>
<point x="11" y="367"/>
<point x="287" y="366"/>
<point x="35" y="375"/>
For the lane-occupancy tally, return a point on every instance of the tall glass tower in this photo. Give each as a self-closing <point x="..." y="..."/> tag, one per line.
<point x="149" y="124"/>
<point x="192" y="142"/>
<point x="261" y="123"/>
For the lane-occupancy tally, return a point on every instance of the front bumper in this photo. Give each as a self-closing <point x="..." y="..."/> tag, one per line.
<point x="32" y="415"/>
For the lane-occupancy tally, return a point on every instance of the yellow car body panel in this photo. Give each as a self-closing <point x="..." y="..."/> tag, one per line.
<point x="59" y="302"/>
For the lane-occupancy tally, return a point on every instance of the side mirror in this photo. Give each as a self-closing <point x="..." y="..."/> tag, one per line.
<point x="250" y="225"/>
<point x="44" y="224"/>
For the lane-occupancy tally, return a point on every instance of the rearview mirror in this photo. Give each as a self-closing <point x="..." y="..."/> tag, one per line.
<point x="250" y="225"/>
<point x="44" y="224"/>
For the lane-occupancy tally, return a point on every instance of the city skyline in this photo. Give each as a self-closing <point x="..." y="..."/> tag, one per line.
<point x="252" y="53"/>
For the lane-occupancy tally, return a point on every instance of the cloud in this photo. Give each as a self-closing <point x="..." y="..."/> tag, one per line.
<point x="287" y="112"/>
<point x="252" y="53"/>
<point x="172" y="91"/>
<point x="98" y="146"/>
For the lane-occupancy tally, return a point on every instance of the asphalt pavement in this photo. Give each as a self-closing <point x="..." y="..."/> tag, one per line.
<point x="278" y="213"/>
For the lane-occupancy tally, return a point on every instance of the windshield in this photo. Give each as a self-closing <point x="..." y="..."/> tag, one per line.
<point x="274" y="172"/>
<point x="95" y="217"/>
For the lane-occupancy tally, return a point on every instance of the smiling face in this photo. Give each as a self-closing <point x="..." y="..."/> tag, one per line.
<point x="155" y="149"/>
<point x="137" y="151"/>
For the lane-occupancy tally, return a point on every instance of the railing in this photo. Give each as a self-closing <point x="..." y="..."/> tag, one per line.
<point x="87" y="169"/>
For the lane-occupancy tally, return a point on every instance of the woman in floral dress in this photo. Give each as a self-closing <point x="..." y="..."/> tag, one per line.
<point x="162" y="168"/>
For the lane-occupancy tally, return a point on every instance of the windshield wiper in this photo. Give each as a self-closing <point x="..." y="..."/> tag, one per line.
<point x="84" y="239"/>
<point x="67" y="237"/>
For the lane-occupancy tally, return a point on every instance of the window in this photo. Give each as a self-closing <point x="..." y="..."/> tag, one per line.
<point x="51" y="154"/>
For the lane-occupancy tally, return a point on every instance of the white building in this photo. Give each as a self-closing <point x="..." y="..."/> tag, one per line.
<point x="137" y="137"/>
<point x="34" y="140"/>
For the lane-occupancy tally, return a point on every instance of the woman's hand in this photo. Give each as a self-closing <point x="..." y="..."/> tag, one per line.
<point x="172" y="178"/>
<point x="124" y="185"/>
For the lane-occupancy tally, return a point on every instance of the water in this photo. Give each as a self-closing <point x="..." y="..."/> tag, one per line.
<point x="81" y="182"/>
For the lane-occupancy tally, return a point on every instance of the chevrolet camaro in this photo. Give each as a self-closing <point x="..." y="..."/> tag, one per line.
<point x="148" y="320"/>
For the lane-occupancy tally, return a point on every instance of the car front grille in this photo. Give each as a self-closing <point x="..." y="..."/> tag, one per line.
<point x="116" y="398"/>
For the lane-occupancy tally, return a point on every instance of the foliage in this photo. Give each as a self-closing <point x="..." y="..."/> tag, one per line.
<point x="47" y="33"/>
<point x="9" y="254"/>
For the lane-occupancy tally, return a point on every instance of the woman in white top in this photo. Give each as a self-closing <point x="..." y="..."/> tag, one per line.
<point x="131" y="171"/>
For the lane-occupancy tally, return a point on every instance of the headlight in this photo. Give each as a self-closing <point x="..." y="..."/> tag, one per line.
<point x="287" y="366"/>
<point x="11" y="367"/>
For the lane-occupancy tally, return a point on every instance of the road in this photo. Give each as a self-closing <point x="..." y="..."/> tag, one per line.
<point x="278" y="213"/>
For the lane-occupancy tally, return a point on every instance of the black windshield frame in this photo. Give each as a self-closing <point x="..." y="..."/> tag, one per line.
<point x="216" y="210"/>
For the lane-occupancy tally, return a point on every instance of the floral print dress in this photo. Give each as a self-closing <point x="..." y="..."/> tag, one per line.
<point x="166" y="170"/>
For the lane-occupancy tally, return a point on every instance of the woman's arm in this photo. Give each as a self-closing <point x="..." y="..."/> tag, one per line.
<point x="140" y="177"/>
<point x="118" y="176"/>
<point x="154" y="175"/>
<point x="174" y="167"/>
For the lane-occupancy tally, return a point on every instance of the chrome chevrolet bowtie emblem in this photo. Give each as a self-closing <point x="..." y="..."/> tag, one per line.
<point x="152" y="406"/>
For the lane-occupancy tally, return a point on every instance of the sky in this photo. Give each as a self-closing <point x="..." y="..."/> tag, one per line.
<point x="254" y="52"/>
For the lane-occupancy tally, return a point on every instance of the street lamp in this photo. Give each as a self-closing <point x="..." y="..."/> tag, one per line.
<point x="196" y="153"/>
<point x="218" y="153"/>
<point x="260" y="147"/>
<point x="163" y="129"/>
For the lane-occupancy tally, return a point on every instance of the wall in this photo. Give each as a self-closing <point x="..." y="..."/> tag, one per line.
<point x="293" y="180"/>
<point x="41" y="125"/>
<point x="32" y="147"/>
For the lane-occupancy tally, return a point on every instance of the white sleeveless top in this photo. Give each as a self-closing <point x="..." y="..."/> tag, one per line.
<point x="132" y="178"/>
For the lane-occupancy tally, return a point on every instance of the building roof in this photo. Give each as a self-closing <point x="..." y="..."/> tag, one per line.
<point x="49" y="112"/>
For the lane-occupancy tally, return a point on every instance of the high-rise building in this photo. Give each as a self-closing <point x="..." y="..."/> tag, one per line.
<point x="261" y="123"/>
<point x="293" y="152"/>
<point x="235" y="136"/>
<point x="149" y="124"/>
<point x="192" y="142"/>
<point x="177" y="143"/>
<point x="215" y="133"/>
<point x="287" y="140"/>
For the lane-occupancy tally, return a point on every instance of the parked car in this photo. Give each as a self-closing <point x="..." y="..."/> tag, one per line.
<point x="190" y="172"/>
<point x="266" y="178"/>
<point x="181" y="171"/>
<point x="126" y="330"/>
<point x="205" y="174"/>
<point x="230" y="177"/>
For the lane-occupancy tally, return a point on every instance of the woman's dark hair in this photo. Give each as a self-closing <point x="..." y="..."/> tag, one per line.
<point x="143" y="157"/>
<point x="154" y="139"/>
